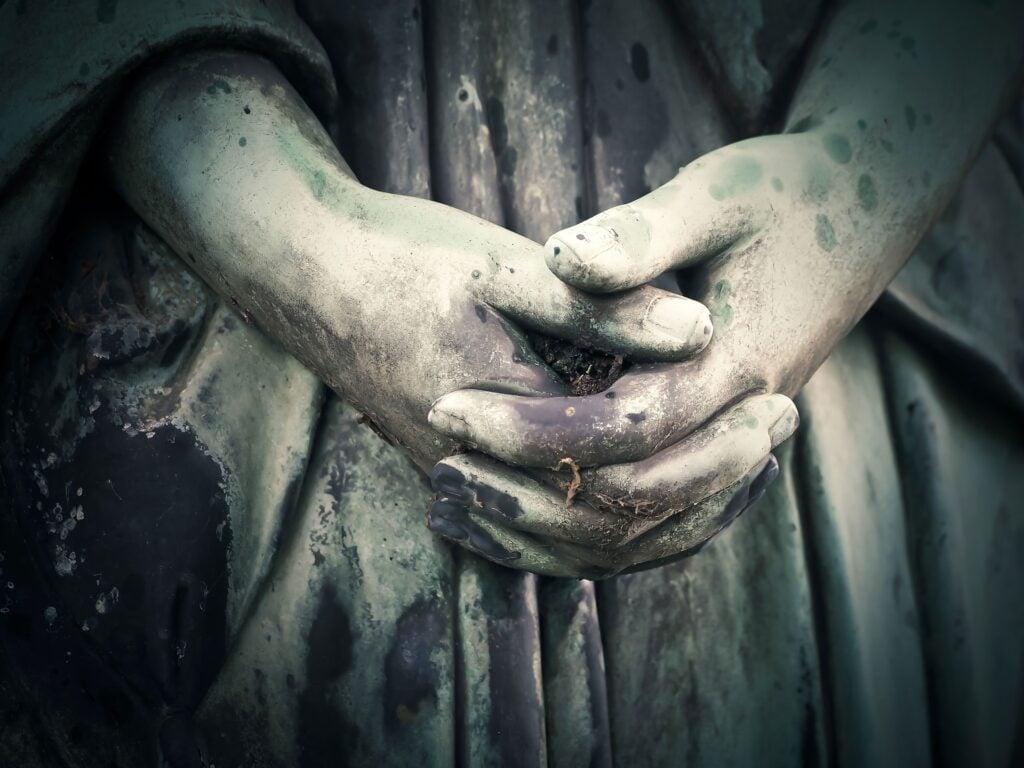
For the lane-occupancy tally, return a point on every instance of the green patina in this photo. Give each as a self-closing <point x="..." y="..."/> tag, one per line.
<point x="242" y="142"/>
<point x="736" y="176"/>
<point x="867" y="193"/>
<point x="818" y="185"/>
<point x="719" y="306"/>
<point x="777" y="184"/>
<point x="824" y="233"/>
<point x="838" y="148"/>
<point x="218" y="85"/>
<point x="911" y="115"/>
<point x="322" y="188"/>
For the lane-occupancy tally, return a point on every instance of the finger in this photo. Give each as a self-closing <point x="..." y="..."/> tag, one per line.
<point x="515" y="500"/>
<point x="628" y="499"/>
<point x="700" y="213"/>
<point x="645" y="324"/>
<point x="648" y="408"/>
<point x="500" y="545"/>
<point x="686" y="533"/>
<point x="702" y="464"/>
<point x="679" y="535"/>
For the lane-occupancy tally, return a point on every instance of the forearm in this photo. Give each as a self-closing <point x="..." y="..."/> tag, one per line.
<point x="219" y="155"/>
<point x="902" y="95"/>
<point x="895" y="102"/>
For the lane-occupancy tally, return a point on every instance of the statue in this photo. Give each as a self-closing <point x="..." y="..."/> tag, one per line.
<point x="216" y="561"/>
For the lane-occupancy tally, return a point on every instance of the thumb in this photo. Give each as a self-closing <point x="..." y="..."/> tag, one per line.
<point x="697" y="215"/>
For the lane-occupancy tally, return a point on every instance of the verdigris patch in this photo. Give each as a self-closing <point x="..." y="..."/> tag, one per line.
<point x="824" y="233"/>
<point x="867" y="193"/>
<point x="737" y="175"/>
<point x="719" y="306"/>
<point x="838" y="148"/>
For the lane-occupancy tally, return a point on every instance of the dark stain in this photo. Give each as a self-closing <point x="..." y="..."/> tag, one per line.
<point x="603" y="126"/>
<point x="481" y="313"/>
<point x="411" y="678"/>
<point x="911" y="117"/>
<point x="636" y="418"/>
<point x="867" y="194"/>
<point x="639" y="62"/>
<point x="450" y="482"/>
<point x="463" y="94"/>
<point x="326" y="738"/>
<point x="494" y="113"/>
<point x="503" y="503"/>
<point x="868" y="27"/>
<point x="516" y="719"/>
<point x="452" y="521"/>
<point x="552" y="45"/>
<point x="507" y="162"/>
<point x="809" y="753"/>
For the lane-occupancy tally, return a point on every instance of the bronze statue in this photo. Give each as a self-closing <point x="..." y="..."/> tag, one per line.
<point x="214" y="214"/>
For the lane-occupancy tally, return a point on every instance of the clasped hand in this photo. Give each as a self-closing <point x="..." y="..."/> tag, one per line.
<point x="669" y="455"/>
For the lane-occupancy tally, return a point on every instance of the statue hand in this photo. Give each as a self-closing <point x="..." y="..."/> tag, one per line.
<point x="787" y="242"/>
<point x="625" y="516"/>
<point x="766" y="229"/>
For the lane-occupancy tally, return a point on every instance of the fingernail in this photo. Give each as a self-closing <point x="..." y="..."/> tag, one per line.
<point x="680" y="320"/>
<point x="784" y="426"/>
<point x="446" y="421"/>
<point x="584" y="243"/>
